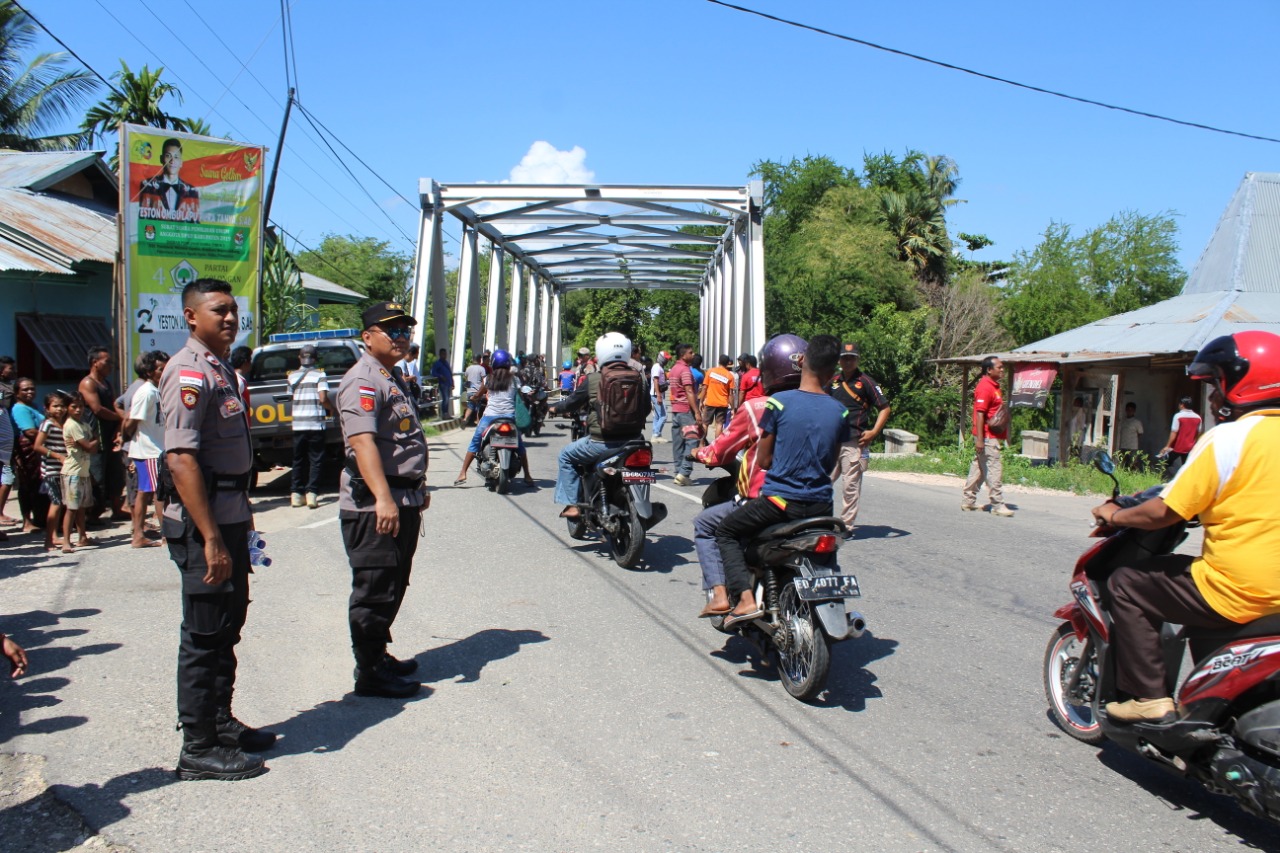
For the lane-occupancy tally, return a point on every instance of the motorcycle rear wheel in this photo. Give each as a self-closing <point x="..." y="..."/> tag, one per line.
<point x="1060" y="659"/>
<point x="628" y="543"/>
<point x="578" y="526"/>
<point x="804" y="665"/>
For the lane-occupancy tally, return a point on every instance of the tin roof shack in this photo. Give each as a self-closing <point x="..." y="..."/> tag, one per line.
<point x="1141" y="356"/>
<point x="58" y="243"/>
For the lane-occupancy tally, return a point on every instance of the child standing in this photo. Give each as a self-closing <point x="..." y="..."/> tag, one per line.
<point x="77" y="486"/>
<point x="52" y="447"/>
<point x="802" y="431"/>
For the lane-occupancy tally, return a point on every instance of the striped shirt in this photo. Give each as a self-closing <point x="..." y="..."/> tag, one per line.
<point x="306" y="384"/>
<point x="53" y="443"/>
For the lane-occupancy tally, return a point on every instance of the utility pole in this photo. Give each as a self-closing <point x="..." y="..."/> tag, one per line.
<point x="266" y="205"/>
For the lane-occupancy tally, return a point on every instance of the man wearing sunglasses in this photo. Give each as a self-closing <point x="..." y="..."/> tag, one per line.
<point x="382" y="494"/>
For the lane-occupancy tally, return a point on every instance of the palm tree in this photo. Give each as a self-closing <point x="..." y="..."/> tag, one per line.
<point x="35" y="97"/>
<point x="136" y="100"/>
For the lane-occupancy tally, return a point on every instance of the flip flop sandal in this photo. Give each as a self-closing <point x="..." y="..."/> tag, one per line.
<point x="732" y="620"/>
<point x="460" y="482"/>
<point x="708" y="613"/>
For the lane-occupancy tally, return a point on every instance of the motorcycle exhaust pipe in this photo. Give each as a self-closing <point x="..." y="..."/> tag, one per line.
<point x="857" y="624"/>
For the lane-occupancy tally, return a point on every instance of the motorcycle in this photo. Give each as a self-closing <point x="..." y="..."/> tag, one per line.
<point x="613" y="500"/>
<point x="802" y="593"/>
<point x="1226" y="731"/>
<point x="498" y="458"/>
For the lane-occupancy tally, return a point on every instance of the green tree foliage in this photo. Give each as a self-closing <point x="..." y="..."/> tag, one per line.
<point x="284" y="307"/>
<point x="363" y="264"/>
<point x="136" y="99"/>
<point x="915" y="193"/>
<point x="37" y="95"/>
<point x="654" y="319"/>
<point x="1067" y="281"/>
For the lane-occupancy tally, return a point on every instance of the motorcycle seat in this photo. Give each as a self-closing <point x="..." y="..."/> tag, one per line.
<point x="791" y="528"/>
<point x="1267" y="626"/>
<point x="612" y="450"/>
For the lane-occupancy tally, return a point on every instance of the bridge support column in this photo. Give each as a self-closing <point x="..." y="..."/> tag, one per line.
<point x="495" y="325"/>
<point x="429" y="281"/>
<point x="515" y="336"/>
<point x="531" y="312"/>
<point x="552" y="359"/>
<point x="467" y="305"/>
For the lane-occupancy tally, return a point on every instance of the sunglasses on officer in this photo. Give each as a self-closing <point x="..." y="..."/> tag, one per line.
<point x="396" y="333"/>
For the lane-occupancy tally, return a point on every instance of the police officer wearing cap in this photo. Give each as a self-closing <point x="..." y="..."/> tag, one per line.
<point x="860" y="394"/>
<point x="205" y="484"/>
<point x="381" y="498"/>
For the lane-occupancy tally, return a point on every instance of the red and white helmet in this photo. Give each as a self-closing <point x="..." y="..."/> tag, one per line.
<point x="1245" y="367"/>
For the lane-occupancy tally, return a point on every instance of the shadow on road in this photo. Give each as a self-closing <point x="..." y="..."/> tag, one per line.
<point x="878" y="531"/>
<point x="1185" y="795"/>
<point x="39" y="631"/>
<point x="465" y="658"/>
<point x="849" y="685"/>
<point x="330" y="726"/>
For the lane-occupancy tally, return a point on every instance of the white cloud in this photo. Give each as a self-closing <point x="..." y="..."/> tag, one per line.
<point x="545" y="164"/>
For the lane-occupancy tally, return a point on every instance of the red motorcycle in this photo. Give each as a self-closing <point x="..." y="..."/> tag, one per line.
<point x="1226" y="732"/>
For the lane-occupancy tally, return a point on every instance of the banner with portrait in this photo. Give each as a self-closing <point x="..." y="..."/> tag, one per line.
<point x="191" y="207"/>
<point x="1031" y="384"/>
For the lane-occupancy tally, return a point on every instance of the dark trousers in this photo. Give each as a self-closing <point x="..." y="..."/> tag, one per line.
<point x="308" y="460"/>
<point x="747" y="520"/>
<point x="212" y="618"/>
<point x="1144" y="597"/>
<point x="1173" y="464"/>
<point x="380" y="569"/>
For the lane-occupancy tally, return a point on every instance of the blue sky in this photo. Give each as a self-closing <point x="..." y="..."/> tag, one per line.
<point x="682" y="91"/>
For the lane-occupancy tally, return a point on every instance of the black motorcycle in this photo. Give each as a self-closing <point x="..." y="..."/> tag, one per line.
<point x="802" y="593"/>
<point x="535" y="401"/>
<point x="499" y="455"/>
<point x="613" y="499"/>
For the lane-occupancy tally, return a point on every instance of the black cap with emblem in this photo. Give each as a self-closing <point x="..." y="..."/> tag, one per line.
<point x="385" y="312"/>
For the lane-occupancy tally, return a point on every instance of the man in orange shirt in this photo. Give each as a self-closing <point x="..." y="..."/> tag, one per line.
<point x="719" y="386"/>
<point x="1231" y="480"/>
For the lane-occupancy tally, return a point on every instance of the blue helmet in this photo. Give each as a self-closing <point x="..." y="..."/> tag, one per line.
<point x="500" y="358"/>
<point x="566" y="365"/>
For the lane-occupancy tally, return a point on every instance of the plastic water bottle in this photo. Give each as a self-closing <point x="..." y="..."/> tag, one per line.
<point x="258" y="550"/>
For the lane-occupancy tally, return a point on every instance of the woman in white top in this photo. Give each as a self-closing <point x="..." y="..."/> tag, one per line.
<point x="498" y="399"/>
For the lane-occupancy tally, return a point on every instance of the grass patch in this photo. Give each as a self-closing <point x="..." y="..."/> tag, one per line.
<point x="1073" y="477"/>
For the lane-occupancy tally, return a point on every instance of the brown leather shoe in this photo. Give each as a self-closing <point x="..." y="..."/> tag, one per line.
<point x="1141" y="710"/>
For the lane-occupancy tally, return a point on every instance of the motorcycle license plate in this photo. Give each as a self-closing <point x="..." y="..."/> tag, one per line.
<point x="826" y="587"/>
<point x="504" y="441"/>
<point x="632" y="475"/>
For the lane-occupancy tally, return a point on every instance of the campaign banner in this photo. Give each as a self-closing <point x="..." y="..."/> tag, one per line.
<point x="191" y="207"/>
<point x="1031" y="384"/>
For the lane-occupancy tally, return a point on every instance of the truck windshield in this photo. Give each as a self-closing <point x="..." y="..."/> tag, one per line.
<point x="277" y="364"/>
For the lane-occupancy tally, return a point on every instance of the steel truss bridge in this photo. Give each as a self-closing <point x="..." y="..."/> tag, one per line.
<point x="560" y="238"/>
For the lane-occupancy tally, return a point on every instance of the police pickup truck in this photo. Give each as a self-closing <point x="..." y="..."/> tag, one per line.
<point x="270" y="401"/>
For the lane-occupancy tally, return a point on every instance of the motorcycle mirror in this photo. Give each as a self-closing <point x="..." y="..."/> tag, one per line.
<point x="1103" y="462"/>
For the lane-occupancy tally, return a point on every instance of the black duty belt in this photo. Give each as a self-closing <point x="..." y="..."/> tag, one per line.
<point x="395" y="482"/>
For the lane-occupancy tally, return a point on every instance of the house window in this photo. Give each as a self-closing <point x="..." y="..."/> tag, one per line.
<point x="55" y="347"/>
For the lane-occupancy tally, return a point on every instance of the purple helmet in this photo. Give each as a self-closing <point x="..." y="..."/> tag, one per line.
<point x="500" y="358"/>
<point x="779" y="363"/>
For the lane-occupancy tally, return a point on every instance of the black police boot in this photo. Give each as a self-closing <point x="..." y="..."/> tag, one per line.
<point x="232" y="732"/>
<point x="375" y="678"/>
<point x="205" y="757"/>
<point x="399" y="667"/>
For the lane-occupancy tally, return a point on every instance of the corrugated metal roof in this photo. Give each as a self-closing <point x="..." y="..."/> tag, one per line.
<point x="1181" y="324"/>
<point x="1244" y="252"/>
<point x="39" y="170"/>
<point x="329" y="291"/>
<point x="41" y="233"/>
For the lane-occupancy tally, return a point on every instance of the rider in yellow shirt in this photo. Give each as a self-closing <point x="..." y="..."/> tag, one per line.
<point x="1231" y="480"/>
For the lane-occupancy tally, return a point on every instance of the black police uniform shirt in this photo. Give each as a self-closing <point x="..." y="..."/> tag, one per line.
<point x="865" y="400"/>
<point x="371" y="401"/>
<point x="204" y="412"/>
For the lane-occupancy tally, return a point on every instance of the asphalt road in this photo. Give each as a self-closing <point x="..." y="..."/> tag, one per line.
<point x="571" y="705"/>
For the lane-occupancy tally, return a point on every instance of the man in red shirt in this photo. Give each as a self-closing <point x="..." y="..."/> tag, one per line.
<point x="684" y="412"/>
<point x="749" y="386"/>
<point x="987" y="464"/>
<point x="1183" y="433"/>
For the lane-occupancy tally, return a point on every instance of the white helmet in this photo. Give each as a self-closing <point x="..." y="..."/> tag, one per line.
<point x="613" y="346"/>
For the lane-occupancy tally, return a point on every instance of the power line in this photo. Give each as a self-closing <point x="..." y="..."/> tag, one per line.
<point x="316" y="254"/>
<point x="991" y="77"/>
<point x="87" y="66"/>
<point x="310" y="117"/>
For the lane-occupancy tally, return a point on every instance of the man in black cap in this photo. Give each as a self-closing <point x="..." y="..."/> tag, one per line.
<point x="381" y="498"/>
<point x="860" y="394"/>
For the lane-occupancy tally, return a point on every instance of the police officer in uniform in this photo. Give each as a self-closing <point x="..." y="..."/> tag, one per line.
<point x="206" y="522"/>
<point x="381" y="498"/>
